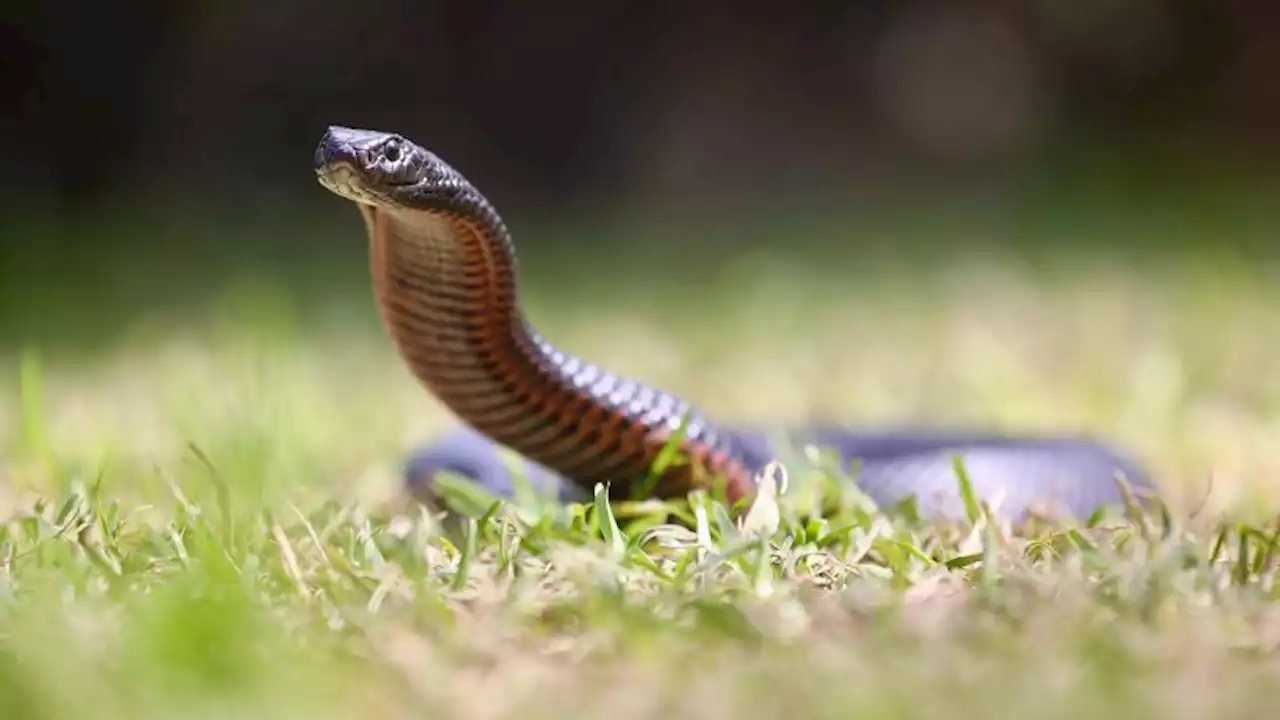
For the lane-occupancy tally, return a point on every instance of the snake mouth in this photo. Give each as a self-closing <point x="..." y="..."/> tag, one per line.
<point x="344" y="178"/>
<point x="349" y="180"/>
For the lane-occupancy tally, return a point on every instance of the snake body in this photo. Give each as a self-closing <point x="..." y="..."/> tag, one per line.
<point x="444" y="273"/>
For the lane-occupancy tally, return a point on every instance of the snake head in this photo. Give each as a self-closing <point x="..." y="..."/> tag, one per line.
<point x="371" y="167"/>
<point x="386" y="171"/>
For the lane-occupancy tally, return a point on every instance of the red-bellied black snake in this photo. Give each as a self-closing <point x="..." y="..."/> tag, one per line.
<point x="445" y="280"/>
<point x="444" y="274"/>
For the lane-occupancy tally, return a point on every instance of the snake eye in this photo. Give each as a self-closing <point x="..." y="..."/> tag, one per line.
<point x="391" y="151"/>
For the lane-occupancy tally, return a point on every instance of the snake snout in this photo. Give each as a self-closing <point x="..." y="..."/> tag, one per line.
<point x="337" y="145"/>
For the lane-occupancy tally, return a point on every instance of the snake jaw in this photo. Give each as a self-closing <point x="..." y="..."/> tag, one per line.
<point x="343" y="180"/>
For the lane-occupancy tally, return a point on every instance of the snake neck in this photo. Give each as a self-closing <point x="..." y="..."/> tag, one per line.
<point x="446" y="290"/>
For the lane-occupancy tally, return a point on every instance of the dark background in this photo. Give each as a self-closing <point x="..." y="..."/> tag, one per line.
<point x="150" y="150"/>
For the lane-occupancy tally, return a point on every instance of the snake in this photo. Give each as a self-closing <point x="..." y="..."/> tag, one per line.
<point x="444" y="276"/>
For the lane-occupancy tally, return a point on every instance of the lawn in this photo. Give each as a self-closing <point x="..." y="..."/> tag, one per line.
<point x="201" y="515"/>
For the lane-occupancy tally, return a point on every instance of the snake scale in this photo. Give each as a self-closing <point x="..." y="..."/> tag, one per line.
<point x="444" y="274"/>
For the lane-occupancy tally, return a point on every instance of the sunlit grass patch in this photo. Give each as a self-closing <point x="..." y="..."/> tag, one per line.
<point x="205" y="519"/>
<point x="318" y="610"/>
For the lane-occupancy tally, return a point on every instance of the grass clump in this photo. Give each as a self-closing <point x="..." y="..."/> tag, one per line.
<point x="180" y="607"/>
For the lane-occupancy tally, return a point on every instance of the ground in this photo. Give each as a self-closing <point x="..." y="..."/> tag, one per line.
<point x="203" y="517"/>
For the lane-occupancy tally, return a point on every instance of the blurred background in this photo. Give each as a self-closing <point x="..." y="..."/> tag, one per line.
<point x="1032" y="214"/>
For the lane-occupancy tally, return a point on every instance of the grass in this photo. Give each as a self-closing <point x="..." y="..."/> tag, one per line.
<point x="202" y="519"/>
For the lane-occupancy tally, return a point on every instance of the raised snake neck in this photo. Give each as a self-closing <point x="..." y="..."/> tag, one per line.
<point x="444" y="276"/>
